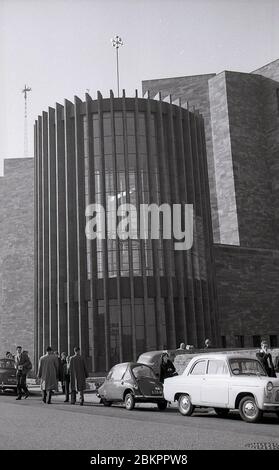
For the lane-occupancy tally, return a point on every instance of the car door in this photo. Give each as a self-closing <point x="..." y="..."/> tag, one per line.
<point x="215" y="386"/>
<point x="192" y="382"/>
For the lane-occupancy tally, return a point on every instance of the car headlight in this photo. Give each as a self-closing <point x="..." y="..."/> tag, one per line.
<point x="269" y="386"/>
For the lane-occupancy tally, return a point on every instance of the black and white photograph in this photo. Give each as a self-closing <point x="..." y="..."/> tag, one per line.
<point x="139" y="231"/>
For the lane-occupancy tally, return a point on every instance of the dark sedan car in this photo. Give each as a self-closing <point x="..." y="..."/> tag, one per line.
<point x="7" y="374"/>
<point x="132" y="382"/>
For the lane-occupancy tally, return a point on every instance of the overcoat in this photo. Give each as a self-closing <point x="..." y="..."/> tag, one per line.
<point x="78" y="373"/>
<point x="48" y="372"/>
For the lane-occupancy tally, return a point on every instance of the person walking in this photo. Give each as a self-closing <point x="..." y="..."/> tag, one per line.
<point x="65" y="376"/>
<point x="60" y="369"/>
<point x="167" y="368"/>
<point x="48" y="374"/>
<point x="265" y="359"/>
<point x="78" y="374"/>
<point x="22" y="365"/>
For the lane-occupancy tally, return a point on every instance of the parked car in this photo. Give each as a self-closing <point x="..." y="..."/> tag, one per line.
<point x="224" y="382"/>
<point x="7" y="375"/>
<point x="131" y="383"/>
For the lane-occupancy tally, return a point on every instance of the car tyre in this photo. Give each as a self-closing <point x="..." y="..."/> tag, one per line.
<point x="185" y="405"/>
<point x="106" y="402"/>
<point x="249" y="410"/>
<point x="129" y="401"/>
<point x="222" y="412"/>
<point x="162" y="405"/>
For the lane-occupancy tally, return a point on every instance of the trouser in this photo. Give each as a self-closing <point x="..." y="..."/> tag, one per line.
<point x="21" y="384"/>
<point x="47" y="394"/>
<point x="67" y="388"/>
<point x="74" y="396"/>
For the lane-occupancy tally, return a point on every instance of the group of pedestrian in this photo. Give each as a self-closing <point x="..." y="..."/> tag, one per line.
<point x="70" y="371"/>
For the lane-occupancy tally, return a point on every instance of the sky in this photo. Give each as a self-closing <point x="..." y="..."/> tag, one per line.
<point x="61" y="48"/>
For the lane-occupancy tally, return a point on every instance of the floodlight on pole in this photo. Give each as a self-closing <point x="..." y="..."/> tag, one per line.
<point x="25" y="90"/>
<point x="117" y="42"/>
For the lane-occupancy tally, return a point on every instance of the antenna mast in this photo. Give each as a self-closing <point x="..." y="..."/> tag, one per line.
<point x="25" y="90"/>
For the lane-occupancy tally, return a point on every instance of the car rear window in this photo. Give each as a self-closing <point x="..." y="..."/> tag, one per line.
<point x="118" y="371"/>
<point x="241" y="366"/>
<point x="143" y="371"/>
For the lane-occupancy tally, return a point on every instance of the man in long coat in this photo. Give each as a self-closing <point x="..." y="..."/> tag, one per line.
<point x="48" y="374"/>
<point x="78" y="373"/>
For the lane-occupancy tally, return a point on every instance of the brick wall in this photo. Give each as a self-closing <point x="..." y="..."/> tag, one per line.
<point x="16" y="255"/>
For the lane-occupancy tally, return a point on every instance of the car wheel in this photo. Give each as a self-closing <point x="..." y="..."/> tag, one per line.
<point x="185" y="405"/>
<point x="249" y="410"/>
<point x="162" y="405"/>
<point x="129" y="401"/>
<point x="222" y="412"/>
<point x="106" y="402"/>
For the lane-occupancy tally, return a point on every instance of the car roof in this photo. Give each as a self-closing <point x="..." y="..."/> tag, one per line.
<point x="224" y="355"/>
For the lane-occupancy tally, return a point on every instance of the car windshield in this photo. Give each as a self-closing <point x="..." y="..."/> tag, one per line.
<point x="6" y="364"/>
<point x="246" y="367"/>
<point x="143" y="371"/>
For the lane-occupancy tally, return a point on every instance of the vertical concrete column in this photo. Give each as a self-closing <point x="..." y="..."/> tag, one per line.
<point x="71" y="226"/>
<point x="131" y="271"/>
<point x="93" y="320"/>
<point x="175" y="170"/>
<point x="52" y="235"/>
<point x="164" y="164"/>
<point x="142" y="247"/>
<point x="116" y="188"/>
<point x="104" y="242"/>
<point x="61" y="229"/>
<point x="81" y="240"/>
<point x="153" y="199"/>
<point x="45" y="231"/>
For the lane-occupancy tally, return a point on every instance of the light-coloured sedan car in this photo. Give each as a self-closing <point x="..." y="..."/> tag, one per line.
<point x="224" y="382"/>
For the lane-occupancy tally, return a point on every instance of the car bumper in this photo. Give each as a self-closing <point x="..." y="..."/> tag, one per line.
<point x="149" y="398"/>
<point x="270" y="407"/>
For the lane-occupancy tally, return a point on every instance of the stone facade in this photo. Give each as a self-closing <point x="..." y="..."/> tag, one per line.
<point x="17" y="255"/>
<point x="241" y="112"/>
<point x="248" y="296"/>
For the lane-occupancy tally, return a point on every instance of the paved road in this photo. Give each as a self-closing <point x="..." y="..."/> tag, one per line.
<point x="30" y="424"/>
